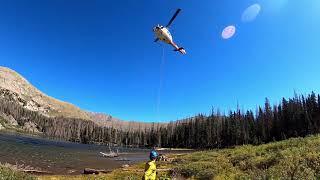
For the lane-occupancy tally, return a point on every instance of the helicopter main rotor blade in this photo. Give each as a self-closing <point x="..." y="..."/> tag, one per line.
<point x="174" y="16"/>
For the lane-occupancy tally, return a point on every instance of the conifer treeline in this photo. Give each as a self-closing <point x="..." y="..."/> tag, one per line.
<point x="75" y="130"/>
<point x="297" y="116"/>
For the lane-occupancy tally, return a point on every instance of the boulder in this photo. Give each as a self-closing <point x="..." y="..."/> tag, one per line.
<point x="30" y="127"/>
<point x="9" y="119"/>
<point x="12" y="121"/>
<point x="1" y="127"/>
<point x="125" y="166"/>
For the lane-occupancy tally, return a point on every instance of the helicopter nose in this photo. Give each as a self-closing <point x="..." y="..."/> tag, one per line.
<point x="155" y="29"/>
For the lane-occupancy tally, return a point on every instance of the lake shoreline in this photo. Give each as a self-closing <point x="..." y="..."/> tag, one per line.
<point x="39" y="155"/>
<point x="62" y="157"/>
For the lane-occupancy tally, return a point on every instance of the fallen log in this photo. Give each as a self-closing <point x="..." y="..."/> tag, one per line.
<point x="90" y="171"/>
<point x="95" y="171"/>
<point x="36" y="171"/>
<point x="109" y="155"/>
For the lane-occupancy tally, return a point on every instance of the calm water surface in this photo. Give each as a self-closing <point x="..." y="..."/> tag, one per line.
<point x="60" y="157"/>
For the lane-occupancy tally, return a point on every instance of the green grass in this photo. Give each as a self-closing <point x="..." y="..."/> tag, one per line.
<point x="134" y="172"/>
<point x="11" y="174"/>
<point x="293" y="159"/>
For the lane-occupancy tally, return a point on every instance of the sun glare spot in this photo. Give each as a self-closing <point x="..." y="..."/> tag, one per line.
<point x="251" y="13"/>
<point x="228" y="32"/>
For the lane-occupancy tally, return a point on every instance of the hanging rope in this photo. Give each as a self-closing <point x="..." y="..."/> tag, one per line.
<point x="160" y="81"/>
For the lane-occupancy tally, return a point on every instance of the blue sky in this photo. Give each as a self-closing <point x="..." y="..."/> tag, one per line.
<point x="100" y="55"/>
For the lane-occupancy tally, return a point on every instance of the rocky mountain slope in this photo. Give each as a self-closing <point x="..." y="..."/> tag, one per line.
<point x="15" y="88"/>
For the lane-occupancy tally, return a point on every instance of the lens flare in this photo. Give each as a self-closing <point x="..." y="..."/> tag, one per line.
<point x="228" y="32"/>
<point x="251" y="13"/>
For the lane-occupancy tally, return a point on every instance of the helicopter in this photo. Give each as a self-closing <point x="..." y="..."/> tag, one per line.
<point x="163" y="34"/>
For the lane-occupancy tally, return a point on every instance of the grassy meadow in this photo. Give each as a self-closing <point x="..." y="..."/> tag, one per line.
<point x="297" y="158"/>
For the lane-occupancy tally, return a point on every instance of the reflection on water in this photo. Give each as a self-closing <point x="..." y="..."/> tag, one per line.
<point x="61" y="157"/>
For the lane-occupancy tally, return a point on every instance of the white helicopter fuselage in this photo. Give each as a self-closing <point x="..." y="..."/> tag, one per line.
<point x="163" y="34"/>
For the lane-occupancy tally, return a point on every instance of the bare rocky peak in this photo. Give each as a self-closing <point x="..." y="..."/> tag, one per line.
<point x="18" y="89"/>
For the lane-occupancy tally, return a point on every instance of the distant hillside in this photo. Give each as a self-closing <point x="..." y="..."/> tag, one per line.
<point x="16" y="88"/>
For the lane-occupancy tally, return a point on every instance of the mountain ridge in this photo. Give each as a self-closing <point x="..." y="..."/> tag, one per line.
<point x="35" y="100"/>
<point x="14" y="87"/>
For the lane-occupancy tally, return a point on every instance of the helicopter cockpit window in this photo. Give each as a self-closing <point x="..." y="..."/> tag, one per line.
<point x="168" y="32"/>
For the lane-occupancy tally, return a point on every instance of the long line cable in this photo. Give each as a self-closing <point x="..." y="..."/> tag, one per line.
<point x="162" y="65"/>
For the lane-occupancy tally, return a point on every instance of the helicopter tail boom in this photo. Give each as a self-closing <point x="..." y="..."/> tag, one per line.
<point x="180" y="49"/>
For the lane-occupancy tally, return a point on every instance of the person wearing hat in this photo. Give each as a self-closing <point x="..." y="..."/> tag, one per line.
<point x="150" y="172"/>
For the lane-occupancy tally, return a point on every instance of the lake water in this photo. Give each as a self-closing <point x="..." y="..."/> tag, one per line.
<point x="60" y="157"/>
